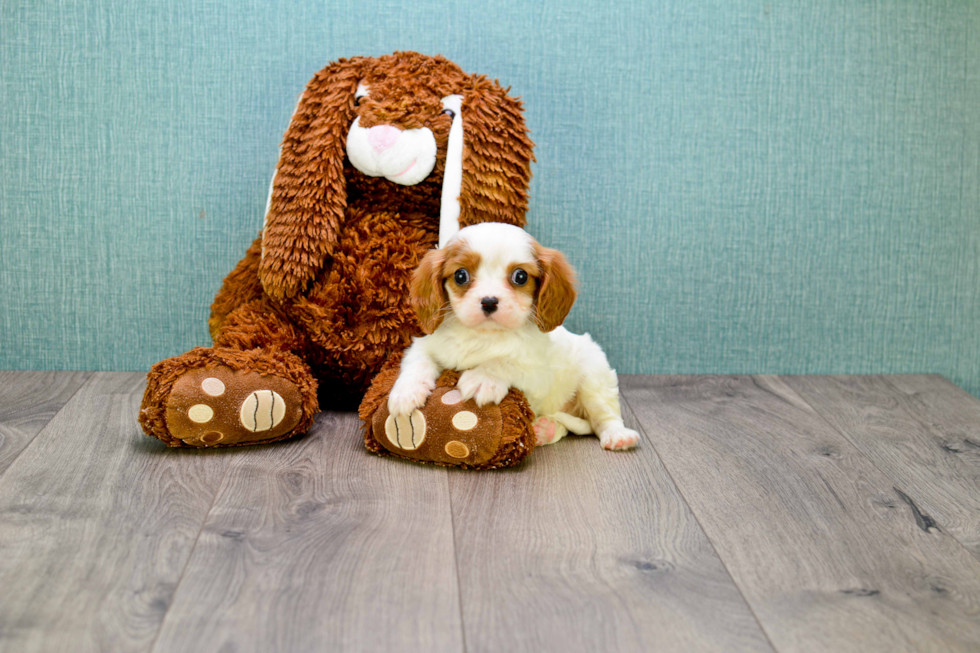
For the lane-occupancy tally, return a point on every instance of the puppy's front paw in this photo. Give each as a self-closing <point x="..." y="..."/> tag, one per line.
<point x="618" y="438"/>
<point x="408" y="396"/>
<point x="474" y="384"/>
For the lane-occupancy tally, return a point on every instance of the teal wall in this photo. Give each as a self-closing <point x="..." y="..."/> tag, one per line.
<point x="744" y="186"/>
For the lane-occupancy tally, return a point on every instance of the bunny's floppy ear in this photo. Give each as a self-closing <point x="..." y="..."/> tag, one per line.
<point x="488" y="160"/>
<point x="309" y="191"/>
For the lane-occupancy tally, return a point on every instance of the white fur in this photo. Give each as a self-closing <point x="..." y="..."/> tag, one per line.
<point x="407" y="162"/>
<point x="565" y="377"/>
<point x="452" y="180"/>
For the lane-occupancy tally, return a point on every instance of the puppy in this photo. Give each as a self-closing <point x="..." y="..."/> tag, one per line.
<point x="492" y="301"/>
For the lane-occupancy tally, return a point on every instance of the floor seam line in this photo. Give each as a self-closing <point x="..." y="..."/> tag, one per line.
<point x="190" y="556"/>
<point x="697" y="520"/>
<point x="88" y="379"/>
<point x="459" y="585"/>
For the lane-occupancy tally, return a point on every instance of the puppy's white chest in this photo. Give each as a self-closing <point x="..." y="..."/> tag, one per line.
<point x="461" y="349"/>
<point x="525" y="360"/>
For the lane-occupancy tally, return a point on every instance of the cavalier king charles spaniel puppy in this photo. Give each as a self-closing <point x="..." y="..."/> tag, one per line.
<point x="492" y="302"/>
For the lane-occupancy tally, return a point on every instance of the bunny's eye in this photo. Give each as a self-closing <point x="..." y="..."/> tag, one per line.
<point x="450" y="113"/>
<point x="461" y="277"/>
<point x="360" y="93"/>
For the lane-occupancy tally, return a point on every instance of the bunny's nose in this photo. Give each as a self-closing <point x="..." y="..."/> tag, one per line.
<point x="382" y="137"/>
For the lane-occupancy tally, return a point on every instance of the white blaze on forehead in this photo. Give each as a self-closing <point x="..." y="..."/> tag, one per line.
<point x="498" y="244"/>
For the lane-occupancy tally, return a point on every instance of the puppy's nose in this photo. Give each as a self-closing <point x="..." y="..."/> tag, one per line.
<point x="382" y="137"/>
<point x="489" y="304"/>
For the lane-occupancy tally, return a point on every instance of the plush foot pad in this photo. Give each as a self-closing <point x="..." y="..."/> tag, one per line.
<point x="221" y="407"/>
<point x="446" y="430"/>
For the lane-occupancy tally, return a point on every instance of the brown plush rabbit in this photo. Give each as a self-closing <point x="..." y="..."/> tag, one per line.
<point x="384" y="158"/>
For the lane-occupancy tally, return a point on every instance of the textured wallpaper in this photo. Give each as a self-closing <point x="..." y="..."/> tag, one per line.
<point x="786" y="187"/>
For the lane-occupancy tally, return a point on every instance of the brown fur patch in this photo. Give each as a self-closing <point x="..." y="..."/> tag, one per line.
<point x="460" y="256"/>
<point x="533" y="272"/>
<point x="428" y="293"/>
<point x="557" y="292"/>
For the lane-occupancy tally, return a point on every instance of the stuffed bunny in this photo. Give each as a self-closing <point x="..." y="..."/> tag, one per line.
<point x="384" y="159"/>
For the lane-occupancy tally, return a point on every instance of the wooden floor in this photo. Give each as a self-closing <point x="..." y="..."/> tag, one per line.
<point x="759" y="513"/>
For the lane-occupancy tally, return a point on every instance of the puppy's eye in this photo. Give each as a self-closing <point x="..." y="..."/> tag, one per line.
<point x="450" y="113"/>
<point x="461" y="277"/>
<point x="518" y="277"/>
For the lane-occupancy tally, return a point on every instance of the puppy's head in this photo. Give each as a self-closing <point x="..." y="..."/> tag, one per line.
<point x="493" y="276"/>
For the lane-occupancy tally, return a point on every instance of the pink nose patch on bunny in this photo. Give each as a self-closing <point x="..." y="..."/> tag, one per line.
<point x="404" y="156"/>
<point x="383" y="137"/>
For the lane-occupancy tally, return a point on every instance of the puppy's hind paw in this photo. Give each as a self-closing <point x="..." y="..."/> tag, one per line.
<point x="476" y="385"/>
<point x="619" y="438"/>
<point x="548" y="430"/>
<point x="544" y="430"/>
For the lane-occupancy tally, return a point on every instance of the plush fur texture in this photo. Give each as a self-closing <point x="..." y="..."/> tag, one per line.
<point x="494" y="300"/>
<point x="321" y="296"/>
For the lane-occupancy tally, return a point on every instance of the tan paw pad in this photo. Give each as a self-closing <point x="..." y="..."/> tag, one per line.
<point x="213" y="387"/>
<point x="452" y="397"/>
<point x="406" y="431"/>
<point x="200" y="413"/>
<point x="262" y="410"/>
<point x="212" y="437"/>
<point x="464" y="420"/>
<point x="457" y="449"/>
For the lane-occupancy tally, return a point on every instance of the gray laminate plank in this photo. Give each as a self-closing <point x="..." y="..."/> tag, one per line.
<point x="581" y="549"/>
<point x="819" y="541"/>
<point x="317" y="545"/>
<point x="96" y="524"/>
<point x="922" y="431"/>
<point x="28" y="401"/>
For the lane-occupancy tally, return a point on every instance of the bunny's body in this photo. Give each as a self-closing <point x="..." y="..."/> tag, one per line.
<point x="382" y="156"/>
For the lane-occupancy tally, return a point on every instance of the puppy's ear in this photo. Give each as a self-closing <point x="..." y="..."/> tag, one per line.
<point x="309" y="191"/>
<point x="496" y="162"/>
<point x="428" y="294"/>
<point x="556" y="292"/>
